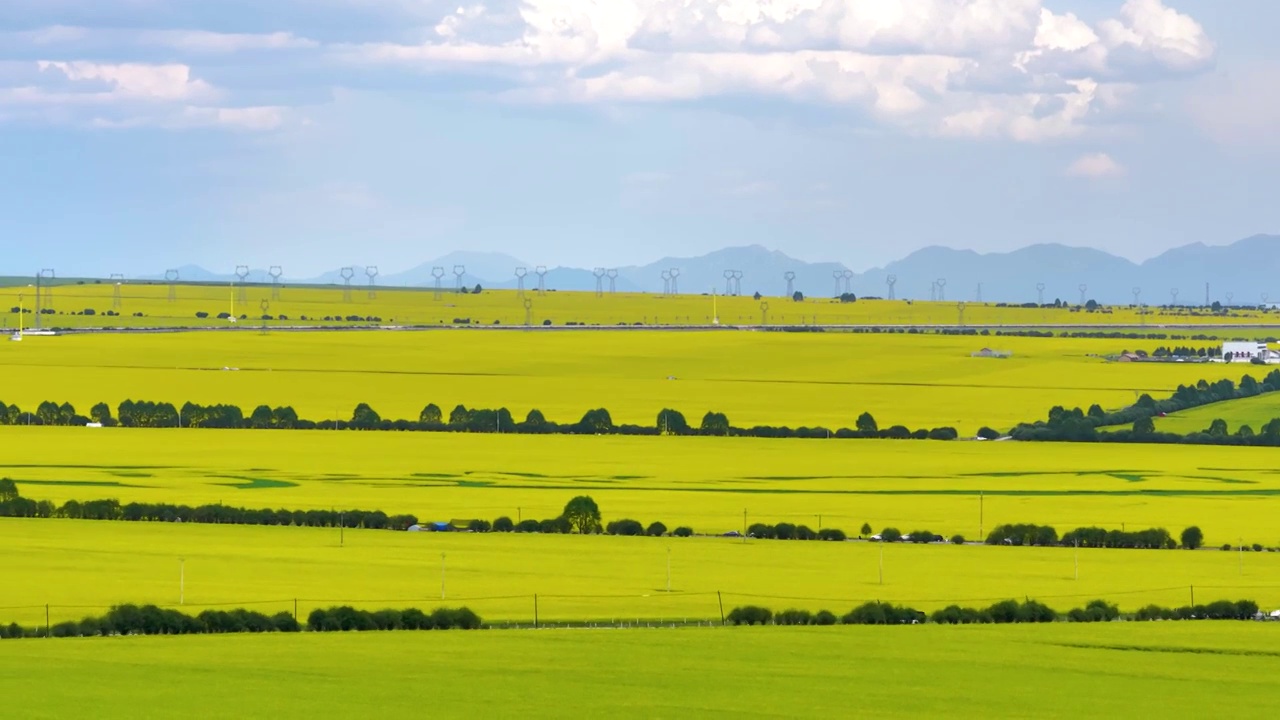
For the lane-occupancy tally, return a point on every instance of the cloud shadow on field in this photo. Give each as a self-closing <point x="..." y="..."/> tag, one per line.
<point x="79" y="483"/>
<point x="251" y="483"/>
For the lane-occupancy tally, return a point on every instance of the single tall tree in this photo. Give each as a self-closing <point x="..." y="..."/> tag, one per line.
<point x="583" y="515"/>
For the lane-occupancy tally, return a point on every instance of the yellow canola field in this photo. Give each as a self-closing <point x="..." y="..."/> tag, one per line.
<point x="795" y="379"/>
<point x="705" y="483"/>
<point x="420" y="307"/>
<point x="82" y="567"/>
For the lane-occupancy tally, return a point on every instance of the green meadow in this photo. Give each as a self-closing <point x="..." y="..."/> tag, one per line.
<point x="1060" y="671"/>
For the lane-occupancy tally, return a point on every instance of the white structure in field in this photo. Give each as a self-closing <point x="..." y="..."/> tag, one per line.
<point x="1244" y="352"/>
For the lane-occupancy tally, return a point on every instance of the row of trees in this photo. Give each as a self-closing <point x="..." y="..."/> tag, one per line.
<point x="788" y="531"/>
<point x="1003" y="612"/>
<point x="154" y="620"/>
<point x="148" y="414"/>
<point x="1076" y="425"/>
<point x="1192" y="537"/>
<point x="12" y="504"/>
<point x="349" y="619"/>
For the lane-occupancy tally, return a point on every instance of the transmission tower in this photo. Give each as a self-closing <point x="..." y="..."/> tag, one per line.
<point x="116" y="300"/>
<point x="891" y="281"/>
<point x="847" y="275"/>
<point x="1040" y="293"/>
<point x="171" y="277"/>
<point x="675" y="281"/>
<point x="1207" y="303"/>
<point x="276" y="272"/>
<point x="1084" y="290"/>
<point x="764" y="312"/>
<point x="666" y="282"/>
<point x="347" y="274"/>
<point x="437" y="272"/>
<point x="1230" y="297"/>
<point x="458" y="272"/>
<point x="528" y="312"/>
<point x="960" y="309"/>
<point x="977" y="297"/>
<point x="942" y="289"/>
<point x="47" y="274"/>
<point x="265" y="304"/>
<point x="933" y="291"/>
<point x="613" y="281"/>
<point x="541" y="271"/>
<point x="737" y="282"/>
<point x="1173" y="295"/>
<point x="728" y="282"/>
<point x="520" y="273"/>
<point x="838" y="275"/>
<point x="371" y="271"/>
<point x="1137" y="296"/>
<point x="599" y="275"/>
<point x="790" y="277"/>
<point x="242" y="274"/>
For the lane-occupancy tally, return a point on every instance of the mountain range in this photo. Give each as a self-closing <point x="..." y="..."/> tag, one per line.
<point x="1244" y="272"/>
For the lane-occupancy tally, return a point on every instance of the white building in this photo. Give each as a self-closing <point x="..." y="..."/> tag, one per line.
<point x="1244" y="352"/>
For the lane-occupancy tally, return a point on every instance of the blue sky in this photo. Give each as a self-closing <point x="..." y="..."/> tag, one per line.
<point x="144" y="134"/>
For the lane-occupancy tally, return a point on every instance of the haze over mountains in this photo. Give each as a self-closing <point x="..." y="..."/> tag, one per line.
<point x="1249" y="270"/>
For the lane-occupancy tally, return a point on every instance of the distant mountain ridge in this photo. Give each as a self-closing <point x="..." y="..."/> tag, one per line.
<point x="1246" y="270"/>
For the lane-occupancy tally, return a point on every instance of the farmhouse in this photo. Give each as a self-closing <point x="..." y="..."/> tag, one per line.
<point x="989" y="353"/>
<point x="1247" y="352"/>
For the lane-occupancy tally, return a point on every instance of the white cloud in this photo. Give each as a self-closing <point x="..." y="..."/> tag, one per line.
<point x="129" y="95"/>
<point x="1095" y="165"/>
<point x="133" y="80"/>
<point x="1005" y="68"/>
<point x="186" y="117"/>
<point x="201" y="41"/>
<point x="115" y="40"/>
<point x="1153" y="34"/>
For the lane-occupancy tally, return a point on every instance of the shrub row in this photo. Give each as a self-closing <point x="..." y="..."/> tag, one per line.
<point x="461" y="419"/>
<point x="13" y="505"/>
<point x="1191" y="538"/>
<point x="1003" y="612"/>
<point x="346" y="618"/>
<point x="1044" y="535"/>
<point x="153" y="620"/>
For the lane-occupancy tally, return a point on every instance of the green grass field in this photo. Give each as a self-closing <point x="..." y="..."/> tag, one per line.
<point x="419" y="307"/>
<point x="1063" y="671"/>
<point x="1254" y="412"/>
<point x="755" y="378"/>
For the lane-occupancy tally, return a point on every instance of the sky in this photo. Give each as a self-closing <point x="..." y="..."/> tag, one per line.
<point x="139" y="135"/>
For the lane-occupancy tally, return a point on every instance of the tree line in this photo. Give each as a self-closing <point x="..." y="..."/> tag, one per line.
<point x="147" y="414"/>
<point x="154" y="620"/>
<point x="1094" y="537"/>
<point x="1076" y="425"/>
<point x="12" y="504"/>
<point x="1003" y="612"/>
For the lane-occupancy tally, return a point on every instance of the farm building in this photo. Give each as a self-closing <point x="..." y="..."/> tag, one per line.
<point x="1243" y="352"/>
<point x="989" y="353"/>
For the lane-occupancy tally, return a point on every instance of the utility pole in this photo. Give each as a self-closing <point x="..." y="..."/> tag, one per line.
<point x="881" y="561"/>
<point x="668" y="570"/>
<point x="981" y="516"/>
